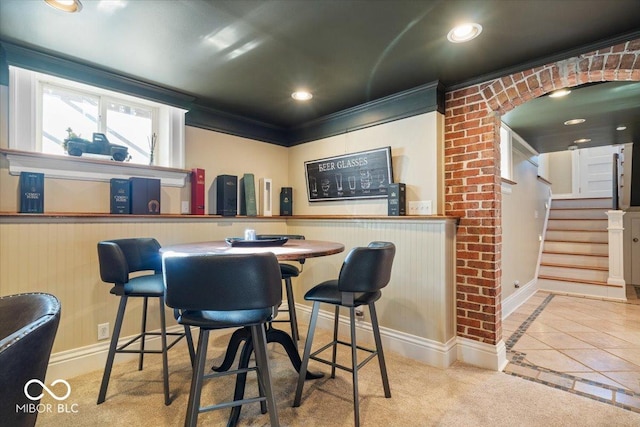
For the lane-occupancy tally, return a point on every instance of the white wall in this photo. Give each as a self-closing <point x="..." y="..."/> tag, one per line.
<point x="417" y="151"/>
<point x="560" y="165"/>
<point x="523" y="221"/>
<point x="222" y="154"/>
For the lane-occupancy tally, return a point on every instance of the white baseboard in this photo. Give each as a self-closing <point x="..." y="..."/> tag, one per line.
<point x="487" y="356"/>
<point x="516" y="299"/>
<point x="71" y="363"/>
<point x="439" y="355"/>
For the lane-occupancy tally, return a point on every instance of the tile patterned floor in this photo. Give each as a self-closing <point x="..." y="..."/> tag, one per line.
<point x="585" y="346"/>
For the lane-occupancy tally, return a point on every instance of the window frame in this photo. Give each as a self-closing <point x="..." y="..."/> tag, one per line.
<point x="25" y="91"/>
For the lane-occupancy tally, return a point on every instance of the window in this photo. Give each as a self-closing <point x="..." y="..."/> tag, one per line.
<point x="505" y="152"/>
<point x="511" y="142"/>
<point x="44" y="109"/>
<point x="65" y="110"/>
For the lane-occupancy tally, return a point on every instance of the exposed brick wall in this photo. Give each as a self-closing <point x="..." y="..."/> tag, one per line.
<point x="472" y="172"/>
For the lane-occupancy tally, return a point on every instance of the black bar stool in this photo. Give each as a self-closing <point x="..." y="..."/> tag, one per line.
<point x="288" y="271"/>
<point x="365" y="271"/>
<point x="225" y="291"/>
<point x="119" y="258"/>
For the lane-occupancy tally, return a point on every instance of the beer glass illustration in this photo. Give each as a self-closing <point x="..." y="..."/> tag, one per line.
<point x="325" y="184"/>
<point x="380" y="177"/>
<point x="352" y="182"/>
<point x="365" y="179"/>
<point x="339" y="181"/>
<point x="314" y="184"/>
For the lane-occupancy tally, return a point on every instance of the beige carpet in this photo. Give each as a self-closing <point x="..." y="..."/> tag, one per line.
<point x="421" y="396"/>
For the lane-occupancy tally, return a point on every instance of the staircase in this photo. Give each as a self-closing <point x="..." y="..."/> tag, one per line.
<point x="575" y="254"/>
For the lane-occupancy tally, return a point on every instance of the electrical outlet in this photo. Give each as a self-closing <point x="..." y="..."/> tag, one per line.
<point x="359" y="314"/>
<point x="421" y="207"/>
<point x="103" y="331"/>
<point x="185" y="208"/>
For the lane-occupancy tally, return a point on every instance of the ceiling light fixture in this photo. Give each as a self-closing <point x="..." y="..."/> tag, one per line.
<point x="559" y="93"/>
<point x="574" y="122"/>
<point x="464" y="33"/>
<point x="70" y="6"/>
<point x="301" y="95"/>
<point x="582" y="140"/>
<point x="621" y="127"/>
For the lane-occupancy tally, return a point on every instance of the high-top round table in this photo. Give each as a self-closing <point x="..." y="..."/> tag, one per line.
<point x="292" y="250"/>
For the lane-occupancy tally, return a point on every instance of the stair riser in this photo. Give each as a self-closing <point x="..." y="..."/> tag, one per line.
<point x="577" y="214"/>
<point x="577" y="260"/>
<point x="574" y="273"/>
<point x="579" y="248"/>
<point x="578" y="236"/>
<point x="604" y="203"/>
<point x="579" y="288"/>
<point x="572" y="224"/>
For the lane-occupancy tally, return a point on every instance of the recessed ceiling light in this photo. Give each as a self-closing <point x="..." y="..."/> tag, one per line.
<point x="582" y="140"/>
<point x="559" y="93"/>
<point x="70" y="6"/>
<point x="574" y="122"/>
<point x="464" y="33"/>
<point x="301" y="95"/>
<point x="621" y="128"/>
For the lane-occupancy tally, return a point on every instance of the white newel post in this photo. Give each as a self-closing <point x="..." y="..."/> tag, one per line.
<point x="616" y="255"/>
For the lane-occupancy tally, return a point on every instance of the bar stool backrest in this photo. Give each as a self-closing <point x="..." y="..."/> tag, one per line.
<point x="28" y="326"/>
<point x="222" y="282"/>
<point x="367" y="269"/>
<point x="120" y="257"/>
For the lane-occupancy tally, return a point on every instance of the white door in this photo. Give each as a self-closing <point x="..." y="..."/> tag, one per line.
<point x="596" y="171"/>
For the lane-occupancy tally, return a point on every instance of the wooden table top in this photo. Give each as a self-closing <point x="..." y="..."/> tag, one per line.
<point x="293" y="250"/>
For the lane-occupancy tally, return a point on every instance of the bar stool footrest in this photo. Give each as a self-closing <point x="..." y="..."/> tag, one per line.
<point x="314" y="355"/>
<point x="123" y="348"/>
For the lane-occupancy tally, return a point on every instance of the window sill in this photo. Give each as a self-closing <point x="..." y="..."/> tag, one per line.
<point x="89" y="169"/>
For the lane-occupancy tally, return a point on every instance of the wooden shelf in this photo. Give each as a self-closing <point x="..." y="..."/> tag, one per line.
<point x="99" y="217"/>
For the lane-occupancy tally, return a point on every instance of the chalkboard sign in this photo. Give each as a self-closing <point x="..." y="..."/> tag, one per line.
<point x="363" y="175"/>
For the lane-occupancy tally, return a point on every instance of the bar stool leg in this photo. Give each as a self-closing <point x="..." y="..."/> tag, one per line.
<point x="192" y="352"/>
<point x="292" y="310"/>
<point x="376" y="336"/>
<point x="193" y="406"/>
<point x="307" y="353"/>
<point x="188" y="336"/>
<point x="143" y="333"/>
<point x="112" y="350"/>
<point x="262" y="362"/>
<point x="354" y="365"/>
<point x="336" y="323"/>
<point x="165" y="358"/>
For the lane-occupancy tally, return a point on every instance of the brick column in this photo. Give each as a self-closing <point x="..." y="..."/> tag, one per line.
<point x="472" y="192"/>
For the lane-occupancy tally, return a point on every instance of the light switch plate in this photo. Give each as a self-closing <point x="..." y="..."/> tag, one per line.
<point x="422" y="207"/>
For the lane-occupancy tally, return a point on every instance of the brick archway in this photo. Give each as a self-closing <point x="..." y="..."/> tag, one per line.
<point x="472" y="172"/>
